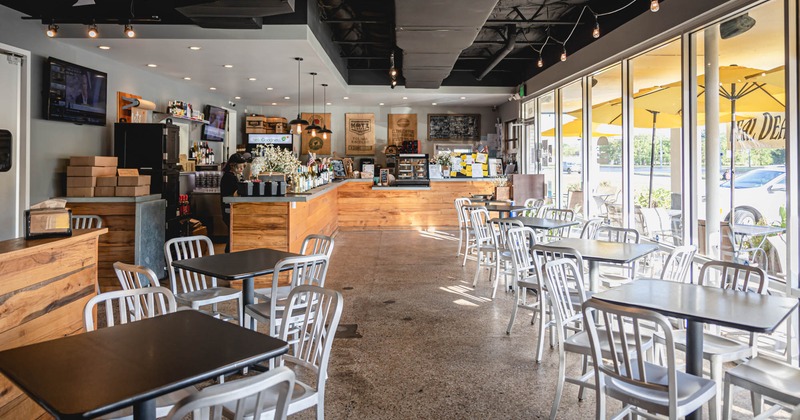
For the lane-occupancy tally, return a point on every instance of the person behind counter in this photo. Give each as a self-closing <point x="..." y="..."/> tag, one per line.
<point x="232" y="173"/>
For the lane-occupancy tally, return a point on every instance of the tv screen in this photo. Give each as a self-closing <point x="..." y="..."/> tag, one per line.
<point x="265" y="139"/>
<point x="75" y="93"/>
<point x="215" y="129"/>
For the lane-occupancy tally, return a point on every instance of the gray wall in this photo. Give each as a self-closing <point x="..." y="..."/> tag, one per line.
<point x="488" y="119"/>
<point x="509" y="111"/>
<point x="52" y="143"/>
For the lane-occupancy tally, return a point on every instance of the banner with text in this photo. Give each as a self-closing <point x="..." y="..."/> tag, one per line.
<point x="316" y="144"/>
<point x="360" y="134"/>
<point x="767" y="130"/>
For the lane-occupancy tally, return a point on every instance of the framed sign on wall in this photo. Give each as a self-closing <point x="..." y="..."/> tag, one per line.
<point x="401" y="127"/>
<point x="360" y="134"/>
<point x="316" y="144"/>
<point x="454" y="127"/>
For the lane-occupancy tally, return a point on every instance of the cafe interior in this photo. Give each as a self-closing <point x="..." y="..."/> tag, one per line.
<point x="631" y="255"/>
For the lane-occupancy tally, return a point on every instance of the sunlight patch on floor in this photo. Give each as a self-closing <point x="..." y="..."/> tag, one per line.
<point x="463" y="291"/>
<point x="438" y="235"/>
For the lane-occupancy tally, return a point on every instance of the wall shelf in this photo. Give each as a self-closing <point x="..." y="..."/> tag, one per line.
<point x="161" y="116"/>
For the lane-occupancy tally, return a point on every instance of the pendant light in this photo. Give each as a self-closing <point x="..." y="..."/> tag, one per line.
<point x="298" y="122"/>
<point x="324" y="130"/>
<point x="313" y="128"/>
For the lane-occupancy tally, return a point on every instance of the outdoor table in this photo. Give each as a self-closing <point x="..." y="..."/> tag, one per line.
<point x="540" y="223"/>
<point x="697" y="304"/>
<point x="595" y="251"/>
<point x="750" y="231"/>
<point x="95" y="373"/>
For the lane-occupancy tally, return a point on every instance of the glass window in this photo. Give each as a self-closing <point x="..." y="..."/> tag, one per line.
<point x="605" y="151"/>
<point x="656" y="175"/>
<point x="572" y="148"/>
<point x="545" y="149"/>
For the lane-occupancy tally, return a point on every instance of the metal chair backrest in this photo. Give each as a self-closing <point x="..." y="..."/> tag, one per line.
<point x="310" y="328"/>
<point x="543" y="254"/>
<point x="176" y="249"/>
<point x="735" y="276"/>
<point x="479" y="218"/>
<point x="589" y="230"/>
<point x="305" y="270"/>
<point x="501" y="228"/>
<point x="617" y="234"/>
<point x="131" y="305"/>
<point x="625" y="360"/>
<point x="534" y="204"/>
<point x="317" y="244"/>
<point x="559" y="275"/>
<point x="566" y="215"/>
<point x="676" y="267"/>
<point x="460" y="203"/>
<point x="135" y="276"/>
<point x="519" y="242"/>
<point x="82" y="221"/>
<point x="252" y="397"/>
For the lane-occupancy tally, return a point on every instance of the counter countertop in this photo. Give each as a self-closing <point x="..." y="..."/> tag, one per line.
<point x="139" y="199"/>
<point x="19" y="244"/>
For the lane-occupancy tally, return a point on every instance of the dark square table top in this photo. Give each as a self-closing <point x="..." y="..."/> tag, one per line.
<point x="611" y="252"/>
<point x="504" y="207"/>
<point x="746" y="311"/>
<point x="236" y="265"/>
<point x="90" y="374"/>
<point x="541" y="223"/>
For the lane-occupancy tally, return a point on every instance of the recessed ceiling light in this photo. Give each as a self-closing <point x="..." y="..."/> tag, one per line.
<point x="237" y="97"/>
<point x="213" y="88"/>
<point x="405" y="97"/>
<point x="194" y="48"/>
<point x="274" y="103"/>
<point x="463" y="97"/>
<point x="187" y="78"/>
<point x="346" y="97"/>
<point x="228" y="66"/>
<point x="104" y="47"/>
<point x="434" y="104"/>
<point x="381" y="104"/>
<point x="269" y="88"/>
<point x="328" y="103"/>
<point x="152" y="65"/>
<point x="286" y="97"/>
<point x="252" y="79"/>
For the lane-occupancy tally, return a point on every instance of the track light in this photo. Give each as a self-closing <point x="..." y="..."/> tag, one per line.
<point x="596" y="30"/>
<point x="564" y="54"/>
<point x="92" y="31"/>
<point x="129" y="32"/>
<point x="654" y="5"/>
<point x="52" y="30"/>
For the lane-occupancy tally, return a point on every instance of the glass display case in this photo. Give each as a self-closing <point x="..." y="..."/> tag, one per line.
<point x="411" y="169"/>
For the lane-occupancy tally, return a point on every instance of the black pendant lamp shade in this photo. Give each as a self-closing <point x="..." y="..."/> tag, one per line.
<point x="325" y="129"/>
<point x="313" y="128"/>
<point x="298" y="121"/>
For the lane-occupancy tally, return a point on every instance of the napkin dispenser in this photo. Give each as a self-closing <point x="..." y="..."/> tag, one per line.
<point x="48" y="223"/>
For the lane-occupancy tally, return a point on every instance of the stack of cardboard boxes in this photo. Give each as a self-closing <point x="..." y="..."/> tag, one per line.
<point x="259" y="124"/>
<point x="97" y="176"/>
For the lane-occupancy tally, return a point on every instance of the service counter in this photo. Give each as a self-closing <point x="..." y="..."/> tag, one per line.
<point x="44" y="285"/>
<point x="136" y="233"/>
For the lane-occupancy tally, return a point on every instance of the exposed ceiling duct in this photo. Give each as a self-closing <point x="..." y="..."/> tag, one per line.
<point x="432" y="34"/>
<point x="511" y="42"/>
<point x="235" y="14"/>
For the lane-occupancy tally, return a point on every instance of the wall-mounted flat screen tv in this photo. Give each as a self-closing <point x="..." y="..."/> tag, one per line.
<point x="215" y="129"/>
<point x="74" y="93"/>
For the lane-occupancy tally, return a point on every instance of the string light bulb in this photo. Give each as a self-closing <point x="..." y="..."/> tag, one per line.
<point x="394" y="83"/>
<point x="564" y="54"/>
<point x="92" y="31"/>
<point x="393" y="72"/>
<point x="596" y="30"/>
<point x="129" y="32"/>
<point x="654" y="5"/>
<point x="540" y="62"/>
<point x="299" y="128"/>
<point x="52" y="30"/>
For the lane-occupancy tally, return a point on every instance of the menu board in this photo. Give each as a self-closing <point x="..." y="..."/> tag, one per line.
<point x="401" y="127"/>
<point x="454" y="127"/>
<point x="316" y="144"/>
<point x="360" y="134"/>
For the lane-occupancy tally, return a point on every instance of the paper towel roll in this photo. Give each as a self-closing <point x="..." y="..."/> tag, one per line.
<point x="144" y="105"/>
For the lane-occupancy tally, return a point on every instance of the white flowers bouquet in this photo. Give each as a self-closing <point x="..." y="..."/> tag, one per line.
<point x="273" y="159"/>
<point x="443" y="158"/>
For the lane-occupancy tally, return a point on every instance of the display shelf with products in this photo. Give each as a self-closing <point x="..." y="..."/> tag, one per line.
<point x="412" y="169"/>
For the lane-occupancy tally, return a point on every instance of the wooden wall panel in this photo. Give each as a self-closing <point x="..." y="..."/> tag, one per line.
<point x="44" y="286"/>
<point x="118" y="244"/>
<point x="361" y="207"/>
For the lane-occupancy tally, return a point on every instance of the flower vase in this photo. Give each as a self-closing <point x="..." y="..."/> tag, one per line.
<point x="445" y="171"/>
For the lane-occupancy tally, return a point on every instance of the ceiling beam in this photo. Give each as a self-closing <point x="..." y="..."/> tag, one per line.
<point x="529" y="22"/>
<point x="501" y="42"/>
<point x="370" y="21"/>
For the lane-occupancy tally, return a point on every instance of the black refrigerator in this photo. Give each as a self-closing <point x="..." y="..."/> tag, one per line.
<point x="153" y="149"/>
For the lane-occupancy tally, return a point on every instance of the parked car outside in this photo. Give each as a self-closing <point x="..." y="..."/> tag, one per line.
<point x="758" y="194"/>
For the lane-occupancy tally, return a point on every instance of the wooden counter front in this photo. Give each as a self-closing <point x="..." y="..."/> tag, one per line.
<point x="44" y="285"/>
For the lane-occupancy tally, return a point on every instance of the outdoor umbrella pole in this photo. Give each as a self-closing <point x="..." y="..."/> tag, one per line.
<point x="652" y="158"/>
<point x="733" y="156"/>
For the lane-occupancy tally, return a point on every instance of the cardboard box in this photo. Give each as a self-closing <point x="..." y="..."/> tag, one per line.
<point x="255" y="121"/>
<point x="105" y="191"/>
<point x="257" y="130"/>
<point x="93" y="161"/>
<point x="91" y="171"/>
<point x="106" y="181"/>
<point x="133" y="181"/>
<point x="80" y="192"/>
<point x="132" y="191"/>
<point x="81" y="181"/>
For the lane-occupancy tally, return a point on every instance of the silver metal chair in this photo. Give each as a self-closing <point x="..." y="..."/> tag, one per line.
<point x="463" y="224"/>
<point x="309" y="324"/>
<point x="503" y="263"/>
<point x="525" y="272"/>
<point x="678" y="262"/>
<point x="616" y="274"/>
<point x="484" y="243"/>
<point x="81" y="221"/>
<point x="469" y="234"/>
<point x="133" y="305"/>
<point x="132" y="276"/>
<point x="194" y="289"/>
<point x="764" y="377"/>
<point x="623" y="374"/>
<point x="589" y="230"/>
<point x="559" y="214"/>
<point x="533" y="204"/>
<point x="262" y="396"/>
<point x="312" y="245"/>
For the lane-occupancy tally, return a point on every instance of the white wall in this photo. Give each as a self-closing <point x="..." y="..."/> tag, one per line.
<point x="52" y="142"/>
<point x="488" y="119"/>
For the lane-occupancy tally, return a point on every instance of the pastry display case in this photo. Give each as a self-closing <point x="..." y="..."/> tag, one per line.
<point x="411" y="169"/>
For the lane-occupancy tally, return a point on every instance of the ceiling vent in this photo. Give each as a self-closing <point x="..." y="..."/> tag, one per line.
<point x="235" y="14"/>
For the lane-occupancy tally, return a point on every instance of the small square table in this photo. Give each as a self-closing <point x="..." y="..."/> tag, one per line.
<point x="747" y="311"/>
<point x="595" y="251"/>
<point x="540" y="223"/>
<point x="87" y="375"/>
<point x="504" y="208"/>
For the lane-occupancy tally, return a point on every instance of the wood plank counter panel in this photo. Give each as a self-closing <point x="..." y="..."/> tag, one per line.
<point x="44" y="285"/>
<point x="362" y="208"/>
<point x="319" y="216"/>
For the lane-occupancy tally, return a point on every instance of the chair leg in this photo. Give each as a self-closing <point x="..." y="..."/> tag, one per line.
<point x="321" y="407"/>
<point x="600" y="400"/>
<point x="727" y="403"/>
<point x="477" y="269"/>
<point x="514" y="311"/>
<point x="562" y="366"/>
<point x="758" y="403"/>
<point x="542" y="332"/>
<point x="241" y="311"/>
<point x="466" y="247"/>
<point x="460" y="240"/>
<point x="583" y="373"/>
<point x="716" y="376"/>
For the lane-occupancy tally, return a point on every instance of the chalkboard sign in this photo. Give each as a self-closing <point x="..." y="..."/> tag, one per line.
<point x="454" y="127"/>
<point x="338" y="169"/>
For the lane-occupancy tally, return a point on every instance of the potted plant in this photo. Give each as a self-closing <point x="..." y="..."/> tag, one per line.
<point x="444" y="159"/>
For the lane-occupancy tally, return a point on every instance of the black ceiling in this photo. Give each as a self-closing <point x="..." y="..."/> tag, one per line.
<point x="363" y="31"/>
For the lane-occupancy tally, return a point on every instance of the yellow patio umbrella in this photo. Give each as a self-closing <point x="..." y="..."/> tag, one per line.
<point x="574" y="128"/>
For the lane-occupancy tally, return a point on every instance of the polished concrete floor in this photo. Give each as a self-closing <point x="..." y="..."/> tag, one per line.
<point x="416" y="341"/>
